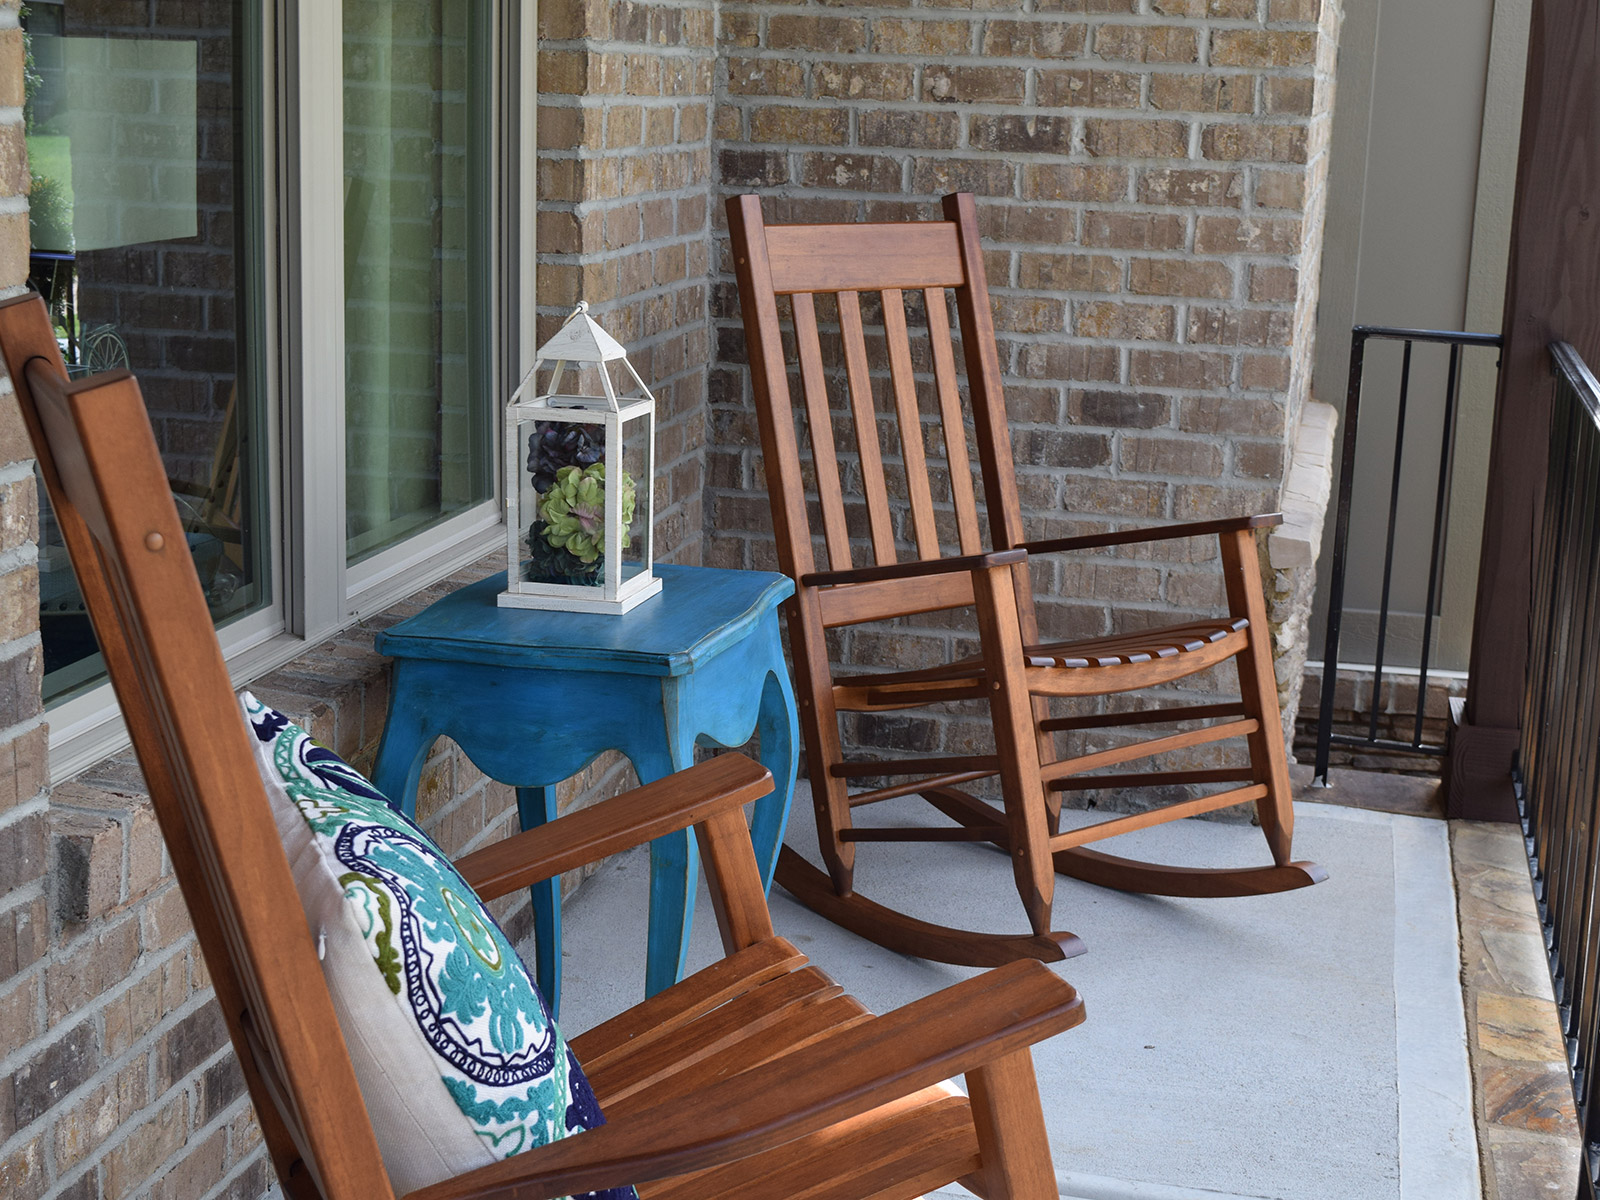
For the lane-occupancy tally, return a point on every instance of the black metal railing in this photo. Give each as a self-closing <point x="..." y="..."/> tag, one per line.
<point x="1361" y="335"/>
<point x="1556" y="774"/>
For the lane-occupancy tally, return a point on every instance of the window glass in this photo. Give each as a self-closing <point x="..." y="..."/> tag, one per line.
<point x="418" y="443"/>
<point x="144" y="129"/>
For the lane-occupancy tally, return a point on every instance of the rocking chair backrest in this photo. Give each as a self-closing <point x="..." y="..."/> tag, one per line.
<point x="106" y="481"/>
<point x="925" y="263"/>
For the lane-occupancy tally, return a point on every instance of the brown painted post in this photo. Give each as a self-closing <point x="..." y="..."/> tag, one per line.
<point x="1552" y="293"/>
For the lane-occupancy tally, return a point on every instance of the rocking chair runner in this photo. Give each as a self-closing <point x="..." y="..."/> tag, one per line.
<point x="1014" y="673"/>
<point x="755" y="1075"/>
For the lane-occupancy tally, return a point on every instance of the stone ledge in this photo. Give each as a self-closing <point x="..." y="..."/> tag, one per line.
<point x="1306" y="490"/>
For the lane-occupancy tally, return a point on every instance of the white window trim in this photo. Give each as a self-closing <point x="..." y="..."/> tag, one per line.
<point x="314" y="593"/>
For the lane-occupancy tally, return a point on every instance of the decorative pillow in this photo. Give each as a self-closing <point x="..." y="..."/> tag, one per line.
<point x="457" y="1057"/>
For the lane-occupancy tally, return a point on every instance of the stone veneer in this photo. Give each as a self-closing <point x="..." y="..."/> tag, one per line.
<point x="1151" y="178"/>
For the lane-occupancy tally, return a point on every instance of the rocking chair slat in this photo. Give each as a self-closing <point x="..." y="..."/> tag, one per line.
<point x="819" y="420"/>
<point x="955" y="433"/>
<point x="912" y="453"/>
<point x="873" y="485"/>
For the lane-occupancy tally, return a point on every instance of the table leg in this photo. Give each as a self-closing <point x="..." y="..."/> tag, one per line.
<point x="780" y="743"/>
<point x="535" y="806"/>
<point x="674" y="877"/>
<point x="408" y="733"/>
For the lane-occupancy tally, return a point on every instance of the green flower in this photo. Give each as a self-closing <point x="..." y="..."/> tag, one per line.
<point x="574" y="511"/>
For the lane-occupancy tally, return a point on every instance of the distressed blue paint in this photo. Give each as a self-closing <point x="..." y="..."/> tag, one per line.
<point x="533" y="697"/>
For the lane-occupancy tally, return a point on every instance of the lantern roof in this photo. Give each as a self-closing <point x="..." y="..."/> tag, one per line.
<point x="581" y="340"/>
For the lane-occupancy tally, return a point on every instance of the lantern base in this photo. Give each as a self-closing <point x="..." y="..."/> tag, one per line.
<point x="578" y="604"/>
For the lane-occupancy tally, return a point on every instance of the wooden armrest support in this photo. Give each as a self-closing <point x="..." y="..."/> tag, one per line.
<point x="914" y="570"/>
<point x="612" y="826"/>
<point x="1160" y="533"/>
<point x="852" y="1071"/>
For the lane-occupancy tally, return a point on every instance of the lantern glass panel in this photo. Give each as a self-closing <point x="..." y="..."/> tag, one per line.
<point x="636" y="449"/>
<point x="561" y="501"/>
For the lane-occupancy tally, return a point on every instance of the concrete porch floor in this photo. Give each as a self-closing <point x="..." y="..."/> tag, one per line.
<point x="1345" y="1041"/>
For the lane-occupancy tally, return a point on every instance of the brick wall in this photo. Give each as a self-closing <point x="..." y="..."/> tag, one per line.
<point x="1150" y="177"/>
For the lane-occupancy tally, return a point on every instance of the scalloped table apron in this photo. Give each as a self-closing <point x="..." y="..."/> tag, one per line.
<point x="532" y="697"/>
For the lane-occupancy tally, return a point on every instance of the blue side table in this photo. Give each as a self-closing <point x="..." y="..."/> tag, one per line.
<point x="533" y="697"/>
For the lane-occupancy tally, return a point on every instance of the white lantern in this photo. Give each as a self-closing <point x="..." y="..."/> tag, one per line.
<point x="579" y="472"/>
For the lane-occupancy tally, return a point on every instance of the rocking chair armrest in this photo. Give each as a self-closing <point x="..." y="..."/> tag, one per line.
<point x="851" y="1071"/>
<point x="1159" y="533"/>
<point x="915" y="570"/>
<point x="612" y="826"/>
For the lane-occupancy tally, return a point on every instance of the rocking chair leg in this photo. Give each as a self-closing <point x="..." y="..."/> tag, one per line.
<point x="1012" y="1143"/>
<point x="1017" y="749"/>
<point x="830" y="797"/>
<point x="1258" y="688"/>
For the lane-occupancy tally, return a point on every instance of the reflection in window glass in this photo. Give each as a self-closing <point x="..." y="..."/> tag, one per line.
<point x="144" y="128"/>
<point x="416" y="121"/>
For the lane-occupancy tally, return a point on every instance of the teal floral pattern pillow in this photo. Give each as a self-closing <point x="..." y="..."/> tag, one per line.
<point x="441" y="957"/>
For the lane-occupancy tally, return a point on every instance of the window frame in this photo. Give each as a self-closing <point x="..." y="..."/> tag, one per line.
<point x="314" y="592"/>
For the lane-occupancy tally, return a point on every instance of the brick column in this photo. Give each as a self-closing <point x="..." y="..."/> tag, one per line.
<point x="624" y="194"/>
<point x="24" y="920"/>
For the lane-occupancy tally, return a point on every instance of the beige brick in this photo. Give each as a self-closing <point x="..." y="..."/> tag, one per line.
<point x="1029" y="314"/>
<point x="800" y="126"/>
<point x="131" y="1162"/>
<point x="1264" y="372"/>
<point x="1049" y="272"/>
<point x="1280" y="189"/>
<point x="1288" y="95"/>
<point x="1253" y="327"/>
<point x="1246" y="235"/>
<point x="856" y="172"/>
<point x="13" y="161"/>
<point x="1147" y="43"/>
<point x="1254" y="142"/>
<point x="864" y="80"/>
<point x="983" y="177"/>
<point x="1135" y="231"/>
<point x="1107" y="137"/>
<point x="1021" y="134"/>
<point x="896" y="35"/>
<point x="11" y="77"/>
<point x="1039" y="40"/>
<point x="807" y="32"/>
<point x="1202" y="188"/>
<point x="765" y="77"/>
<point x="1262" y="48"/>
<point x="904" y="129"/>
<point x="1269" y="283"/>
<point x="1230" y="10"/>
<point x="1230" y="415"/>
<point x="1194" y="93"/>
<point x="1115" y="497"/>
<point x="975" y="85"/>
<point x="1193" y="369"/>
<point x="1169" y="456"/>
<point x="1086" y="88"/>
<point x="86" y="1126"/>
<point x="1121" y="319"/>
<point x="1078" y="182"/>
<point x="1179" y="277"/>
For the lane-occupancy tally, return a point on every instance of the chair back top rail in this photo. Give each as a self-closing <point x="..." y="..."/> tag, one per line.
<point x="107" y="485"/>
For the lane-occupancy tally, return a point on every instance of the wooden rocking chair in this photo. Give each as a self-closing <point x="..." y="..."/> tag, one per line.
<point x="752" y="1078"/>
<point x="1015" y="674"/>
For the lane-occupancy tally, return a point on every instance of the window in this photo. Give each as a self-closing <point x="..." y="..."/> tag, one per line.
<point x="296" y="223"/>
